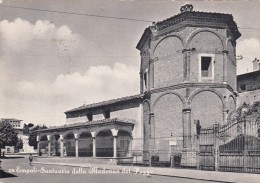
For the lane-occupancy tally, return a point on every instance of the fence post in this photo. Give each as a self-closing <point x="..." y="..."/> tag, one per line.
<point x="150" y="159"/>
<point x="244" y="151"/>
<point x="171" y="160"/>
<point x="215" y="132"/>
<point x="198" y="153"/>
<point x="216" y="158"/>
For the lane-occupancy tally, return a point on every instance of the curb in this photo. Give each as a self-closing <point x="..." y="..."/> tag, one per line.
<point x="120" y="168"/>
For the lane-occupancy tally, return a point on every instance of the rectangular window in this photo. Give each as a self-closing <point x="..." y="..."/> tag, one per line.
<point x="206" y="67"/>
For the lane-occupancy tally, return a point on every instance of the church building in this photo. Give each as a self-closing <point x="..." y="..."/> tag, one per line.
<point x="187" y="74"/>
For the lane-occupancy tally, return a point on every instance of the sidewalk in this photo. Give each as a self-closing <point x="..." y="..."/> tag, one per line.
<point x="227" y="177"/>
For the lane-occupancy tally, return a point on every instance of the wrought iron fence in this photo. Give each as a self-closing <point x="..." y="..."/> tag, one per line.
<point x="232" y="147"/>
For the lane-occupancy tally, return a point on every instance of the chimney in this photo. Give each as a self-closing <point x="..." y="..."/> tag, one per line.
<point x="256" y="65"/>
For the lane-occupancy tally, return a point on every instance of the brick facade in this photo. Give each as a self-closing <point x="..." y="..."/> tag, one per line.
<point x="192" y="73"/>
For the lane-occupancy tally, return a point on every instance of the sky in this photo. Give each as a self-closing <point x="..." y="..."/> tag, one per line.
<point x="52" y="62"/>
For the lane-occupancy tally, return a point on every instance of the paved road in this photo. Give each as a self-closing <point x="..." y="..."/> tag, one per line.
<point x="21" y="172"/>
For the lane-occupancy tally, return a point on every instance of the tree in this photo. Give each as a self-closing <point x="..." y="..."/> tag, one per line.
<point x="8" y="135"/>
<point x="30" y="125"/>
<point x="33" y="136"/>
<point x="26" y="130"/>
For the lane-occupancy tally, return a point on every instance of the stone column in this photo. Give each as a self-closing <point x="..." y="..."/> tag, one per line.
<point x="76" y="145"/>
<point x="38" y="144"/>
<point x="130" y="149"/>
<point x="151" y="62"/>
<point x="93" y="134"/>
<point x="115" y="146"/>
<point x="152" y="128"/>
<point x="49" y="145"/>
<point x="225" y="116"/>
<point x="61" y="146"/>
<point x="184" y="52"/>
<point x="188" y="65"/>
<point x="186" y="116"/>
<point x="225" y="60"/>
<point x="114" y="133"/>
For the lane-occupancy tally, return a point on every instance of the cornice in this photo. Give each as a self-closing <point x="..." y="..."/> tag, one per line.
<point x="194" y="85"/>
<point x="191" y="19"/>
<point x="89" y="124"/>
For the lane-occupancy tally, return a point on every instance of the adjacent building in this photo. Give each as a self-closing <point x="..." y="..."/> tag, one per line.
<point x="16" y="124"/>
<point x="248" y="85"/>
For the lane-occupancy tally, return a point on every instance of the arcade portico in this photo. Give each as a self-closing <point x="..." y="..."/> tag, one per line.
<point x="102" y="138"/>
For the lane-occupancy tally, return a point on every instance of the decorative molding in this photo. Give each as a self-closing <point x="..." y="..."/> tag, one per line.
<point x="194" y="19"/>
<point x="179" y="95"/>
<point x="195" y="85"/>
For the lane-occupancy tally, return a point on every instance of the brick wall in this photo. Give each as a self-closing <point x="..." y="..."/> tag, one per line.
<point x="131" y="113"/>
<point x="231" y="104"/>
<point x="248" y="97"/>
<point x="168" y="69"/>
<point x="231" y="64"/>
<point x="77" y="119"/>
<point x="206" y="43"/>
<point x="127" y="110"/>
<point x="248" y="82"/>
<point x="207" y="107"/>
<point x="147" y="126"/>
<point x="168" y="116"/>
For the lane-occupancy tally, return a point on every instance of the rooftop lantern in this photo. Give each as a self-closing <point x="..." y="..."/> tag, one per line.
<point x="186" y="7"/>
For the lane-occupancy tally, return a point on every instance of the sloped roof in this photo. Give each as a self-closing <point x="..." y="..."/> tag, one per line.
<point x="90" y="123"/>
<point x="249" y="74"/>
<point x="108" y="102"/>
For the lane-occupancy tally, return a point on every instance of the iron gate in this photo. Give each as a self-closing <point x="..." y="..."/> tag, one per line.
<point x="232" y="147"/>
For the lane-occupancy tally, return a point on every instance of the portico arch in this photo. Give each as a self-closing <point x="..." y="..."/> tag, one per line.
<point x="104" y="143"/>
<point x="123" y="143"/>
<point x="69" y="144"/>
<point x="85" y="144"/>
<point x="55" y="144"/>
<point x="43" y="145"/>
